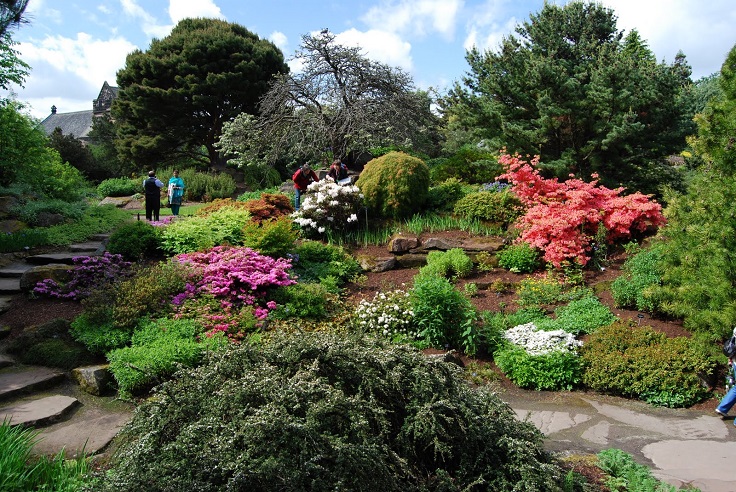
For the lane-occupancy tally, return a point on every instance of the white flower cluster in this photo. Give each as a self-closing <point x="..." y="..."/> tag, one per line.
<point x="537" y="342"/>
<point x="328" y="205"/>
<point x="389" y="313"/>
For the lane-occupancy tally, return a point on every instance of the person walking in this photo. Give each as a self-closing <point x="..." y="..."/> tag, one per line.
<point x="303" y="177"/>
<point x="728" y="401"/>
<point x="175" y="192"/>
<point x="152" y="190"/>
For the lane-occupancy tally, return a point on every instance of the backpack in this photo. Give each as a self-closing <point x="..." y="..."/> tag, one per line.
<point x="729" y="348"/>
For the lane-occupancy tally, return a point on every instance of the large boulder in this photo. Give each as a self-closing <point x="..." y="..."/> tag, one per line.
<point x="95" y="380"/>
<point x="58" y="272"/>
<point x="9" y="226"/>
<point x="376" y="264"/>
<point x="6" y="204"/>
<point x="402" y="244"/>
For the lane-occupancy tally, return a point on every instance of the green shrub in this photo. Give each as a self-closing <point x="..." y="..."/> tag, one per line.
<point x="120" y="187"/>
<point x="579" y="316"/>
<point x="442" y="197"/>
<point x="205" y="187"/>
<point x="502" y="207"/>
<point x="58" y="352"/>
<point x="626" y="474"/>
<point x="314" y="261"/>
<point x="99" y="338"/>
<point x="452" y="264"/>
<point x="444" y="316"/>
<point x="495" y="324"/>
<point x="319" y="412"/>
<point x="307" y="300"/>
<point x="273" y="238"/>
<point x="519" y="258"/>
<point x="20" y="471"/>
<point x="394" y="185"/>
<point x="256" y="194"/>
<point x="135" y="241"/>
<point x="553" y="371"/>
<point x="32" y="211"/>
<point x="150" y="331"/>
<point x="200" y="233"/>
<point x="640" y="273"/>
<point x="639" y="362"/>
<point x="469" y="164"/>
<point x="389" y="314"/>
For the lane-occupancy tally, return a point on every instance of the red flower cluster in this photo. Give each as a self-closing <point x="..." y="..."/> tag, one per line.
<point x="562" y="218"/>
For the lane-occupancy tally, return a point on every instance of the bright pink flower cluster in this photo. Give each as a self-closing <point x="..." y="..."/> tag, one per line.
<point x="562" y="218"/>
<point x="236" y="277"/>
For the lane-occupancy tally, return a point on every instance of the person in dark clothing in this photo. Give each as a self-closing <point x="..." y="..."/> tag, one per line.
<point x="302" y="178"/>
<point x="152" y="189"/>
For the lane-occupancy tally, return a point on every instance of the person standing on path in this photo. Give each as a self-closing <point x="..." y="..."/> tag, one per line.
<point x="728" y="401"/>
<point x="176" y="192"/>
<point x="152" y="190"/>
<point x="303" y="177"/>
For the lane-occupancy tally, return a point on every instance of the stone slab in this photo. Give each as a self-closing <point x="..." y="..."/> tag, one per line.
<point x="14" y="382"/>
<point x="5" y="302"/>
<point x="9" y="285"/>
<point x="44" y="259"/>
<point x="88" y="247"/>
<point x="14" y="270"/>
<point x="37" y="413"/>
<point x="6" y="361"/>
<point x="87" y="433"/>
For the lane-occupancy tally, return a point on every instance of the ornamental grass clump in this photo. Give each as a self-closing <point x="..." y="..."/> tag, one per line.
<point x="328" y="206"/>
<point x="308" y="411"/>
<point x="389" y="314"/>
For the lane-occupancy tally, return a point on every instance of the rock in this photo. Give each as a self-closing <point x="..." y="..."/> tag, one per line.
<point x="95" y="380"/>
<point x="40" y="412"/>
<point x="412" y="260"/>
<point x="58" y="272"/>
<point x="118" y="201"/>
<point x="489" y="244"/>
<point x="402" y="244"/>
<point x="9" y="226"/>
<point x="48" y="219"/>
<point x="436" y="243"/>
<point x="376" y="264"/>
<point x="449" y="356"/>
<point x="6" y="204"/>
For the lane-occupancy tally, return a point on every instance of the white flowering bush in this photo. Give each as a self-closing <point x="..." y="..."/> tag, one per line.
<point x="538" y="342"/>
<point x="390" y="314"/>
<point x="329" y="206"/>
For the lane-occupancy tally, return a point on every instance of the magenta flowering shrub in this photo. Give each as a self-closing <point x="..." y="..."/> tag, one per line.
<point x="89" y="274"/>
<point x="229" y="293"/>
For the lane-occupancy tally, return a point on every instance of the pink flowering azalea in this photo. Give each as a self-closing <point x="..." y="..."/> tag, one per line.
<point x="562" y="218"/>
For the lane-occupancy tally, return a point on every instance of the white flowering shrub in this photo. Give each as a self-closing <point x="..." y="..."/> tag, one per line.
<point x="390" y="314"/>
<point x="329" y="206"/>
<point x="537" y="342"/>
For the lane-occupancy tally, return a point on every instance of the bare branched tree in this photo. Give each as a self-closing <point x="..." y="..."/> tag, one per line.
<point x="341" y="101"/>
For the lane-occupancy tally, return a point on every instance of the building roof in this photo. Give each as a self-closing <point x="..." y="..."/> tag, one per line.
<point x="78" y="123"/>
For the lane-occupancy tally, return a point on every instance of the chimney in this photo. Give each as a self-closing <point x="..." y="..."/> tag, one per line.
<point x="53" y="109"/>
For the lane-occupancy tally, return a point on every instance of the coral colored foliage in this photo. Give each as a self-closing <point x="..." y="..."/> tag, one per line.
<point x="562" y="218"/>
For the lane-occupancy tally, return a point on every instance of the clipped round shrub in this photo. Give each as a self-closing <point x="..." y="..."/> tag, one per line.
<point x="322" y="412"/>
<point x="120" y="187"/>
<point x="639" y="362"/>
<point x="519" y="258"/>
<point x="502" y="207"/>
<point x="394" y="185"/>
<point x="136" y="240"/>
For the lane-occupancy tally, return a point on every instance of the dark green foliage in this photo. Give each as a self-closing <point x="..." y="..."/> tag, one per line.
<point x="452" y="264"/>
<point x="120" y="187"/>
<point x="320" y="412"/>
<point x="633" y="289"/>
<point x="136" y="240"/>
<point x="314" y="261"/>
<point x="548" y="372"/>
<point x="624" y="473"/>
<point x="444" y="316"/>
<point x="501" y="207"/>
<point x="60" y="353"/>
<point x="98" y="336"/>
<point x="273" y="238"/>
<point x="643" y="363"/>
<point x="443" y="196"/>
<point x="206" y="187"/>
<point x="579" y="316"/>
<point x="174" y="97"/>
<point x="72" y="151"/>
<point x="519" y="258"/>
<point x="394" y="185"/>
<point x="35" y="212"/>
<point x="303" y="300"/>
<point x="470" y="164"/>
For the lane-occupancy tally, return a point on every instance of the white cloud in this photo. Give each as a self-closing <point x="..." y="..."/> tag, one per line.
<point x="420" y="17"/>
<point x="181" y="9"/>
<point x="381" y="46"/>
<point x="279" y="39"/>
<point x="149" y="24"/>
<point x="489" y="37"/>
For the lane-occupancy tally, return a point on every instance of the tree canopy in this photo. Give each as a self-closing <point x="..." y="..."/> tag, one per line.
<point x="11" y="14"/>
<point x="573" y="89"/>
<point x="174" y="98"/>
<point x="339" y="101"/>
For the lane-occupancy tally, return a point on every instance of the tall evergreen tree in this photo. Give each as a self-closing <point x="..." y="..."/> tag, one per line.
<point x="175" y="97"/>
<point x="570" y="87"/>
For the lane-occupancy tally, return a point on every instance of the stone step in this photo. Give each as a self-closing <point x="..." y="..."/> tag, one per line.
<point x="14" y="270"/>
<point x="6" y="361"/>
<point x="88" y="432"/>
<point x="5" y="302"/>
<point x="63" y="258"/>
<point x="38" y="413"/>
<point x="88" y="247"/>
<point x="17" y="380"/>
<point x="100" y="237"/>
<point x="10" y="285"/>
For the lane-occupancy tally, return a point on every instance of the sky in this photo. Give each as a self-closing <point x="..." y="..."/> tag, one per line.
<point x="73" y="46"/>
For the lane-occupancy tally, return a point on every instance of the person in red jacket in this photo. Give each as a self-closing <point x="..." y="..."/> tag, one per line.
<point x="302" y="178"/>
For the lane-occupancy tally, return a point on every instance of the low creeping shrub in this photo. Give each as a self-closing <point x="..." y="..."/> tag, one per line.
<point x="99" y="338"/>
<point x="135" y="241"/>
<point x="389" y="314"/>
<point x="452" y="264"/>
<point x="223" y="226"/>
<point x="626" y="474"/>
<point x="519" y="258"/>
<point x="313" y="261"/>
<point x="274" y="237"/>
<point x="579" y="316"/>
<point x="633" y="288"/>
<point x="120" y="187"/>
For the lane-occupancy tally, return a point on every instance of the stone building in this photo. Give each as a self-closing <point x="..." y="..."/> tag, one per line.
<point x="79" y="123"/>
